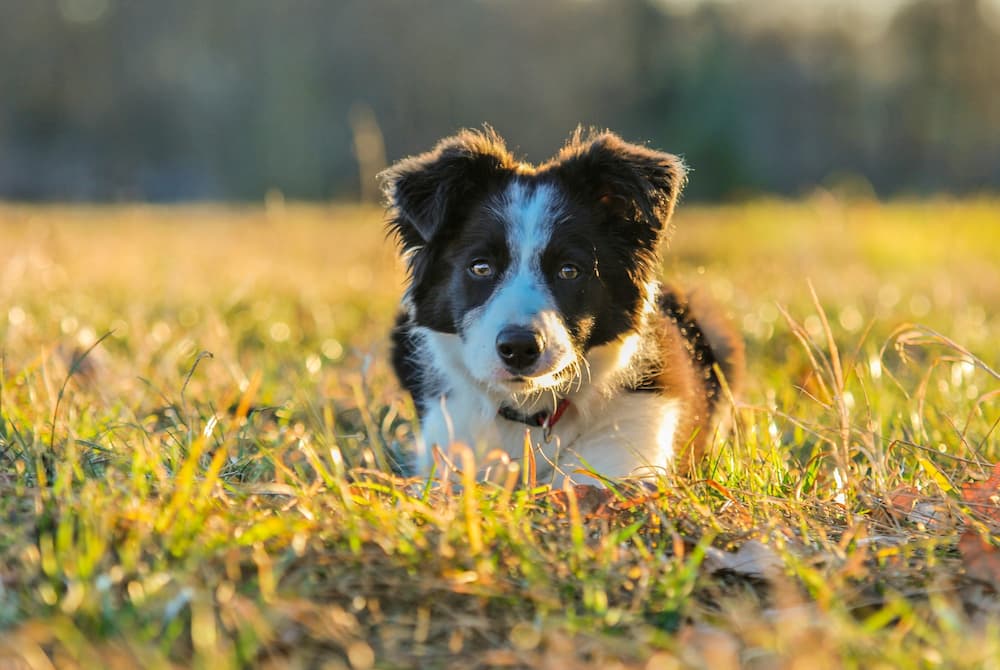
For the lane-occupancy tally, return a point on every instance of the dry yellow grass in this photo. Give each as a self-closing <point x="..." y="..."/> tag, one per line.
<point x="163" y="508"/>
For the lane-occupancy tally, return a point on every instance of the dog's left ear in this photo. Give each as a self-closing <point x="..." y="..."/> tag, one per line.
<point x="629" y="180"/>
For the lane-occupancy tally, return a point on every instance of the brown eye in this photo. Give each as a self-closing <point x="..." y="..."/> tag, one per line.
<point x="481" y="269"/>
<point x="569" y="271"/>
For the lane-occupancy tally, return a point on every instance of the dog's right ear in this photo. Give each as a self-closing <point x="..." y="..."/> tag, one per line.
<point x="427" y="193"/>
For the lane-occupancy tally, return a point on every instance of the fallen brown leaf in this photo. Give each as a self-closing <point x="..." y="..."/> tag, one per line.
<point x="983" y="498"/>
<point x="908" y="504"/>
<point x="980" y="558"/>
<point x="597" y="502"/>
<point x="593" y="501"/>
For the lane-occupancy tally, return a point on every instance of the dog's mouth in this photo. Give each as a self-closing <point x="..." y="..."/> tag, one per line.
<point x="513" y="379"/>
<point x="553" y="380"/>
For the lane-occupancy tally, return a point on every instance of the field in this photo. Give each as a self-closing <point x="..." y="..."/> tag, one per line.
<point x="199" y="435"/>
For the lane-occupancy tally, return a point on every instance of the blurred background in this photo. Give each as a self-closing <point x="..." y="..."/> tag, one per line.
<point x="110" y="100"/>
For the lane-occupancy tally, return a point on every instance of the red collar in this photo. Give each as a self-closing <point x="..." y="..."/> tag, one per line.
<point x="543" y="419"/>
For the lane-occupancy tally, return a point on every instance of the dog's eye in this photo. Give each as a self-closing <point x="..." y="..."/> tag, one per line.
<point x="569" y="271"/>
<point x="481" y="268"/>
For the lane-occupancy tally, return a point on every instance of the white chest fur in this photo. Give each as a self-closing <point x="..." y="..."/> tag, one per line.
<point x="606" y="430"/>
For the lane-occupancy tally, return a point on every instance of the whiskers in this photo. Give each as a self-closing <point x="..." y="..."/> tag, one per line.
<point x="568" y="380"/>
<point x="572" y="377"/>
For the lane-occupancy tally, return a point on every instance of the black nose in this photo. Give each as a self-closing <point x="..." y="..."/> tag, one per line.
<point x="519" y="347"/>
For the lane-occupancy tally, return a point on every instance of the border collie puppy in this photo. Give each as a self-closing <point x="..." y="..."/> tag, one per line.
<point x="533" y="305"/>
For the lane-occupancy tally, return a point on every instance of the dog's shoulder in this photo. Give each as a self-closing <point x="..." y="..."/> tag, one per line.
<point x="693" y="343"/>
<point x="708" y="336"/>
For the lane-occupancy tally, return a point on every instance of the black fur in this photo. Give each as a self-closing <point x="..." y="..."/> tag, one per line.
<point x="405" y="361"/>
<point x="430" y="197"/>
<point x="619" y="197"/>
<point x="622" y="196"/>
<point x="487" y="239"/>
<point x="674" y="307"/>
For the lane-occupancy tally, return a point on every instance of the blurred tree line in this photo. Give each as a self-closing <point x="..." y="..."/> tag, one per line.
<point x="190" y="99"/>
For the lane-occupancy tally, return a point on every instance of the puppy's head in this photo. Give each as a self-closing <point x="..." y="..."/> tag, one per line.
<point x="530" y="267"/>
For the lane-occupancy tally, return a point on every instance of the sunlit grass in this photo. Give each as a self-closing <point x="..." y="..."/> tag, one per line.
<point x="213" y="484"/>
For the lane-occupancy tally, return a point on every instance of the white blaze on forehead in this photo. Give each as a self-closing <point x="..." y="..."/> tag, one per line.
<point x="522" y="297"/>
<point x="529" y="214"/>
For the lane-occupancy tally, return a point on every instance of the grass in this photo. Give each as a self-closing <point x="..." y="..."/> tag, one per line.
<point x="198" y="425"/>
